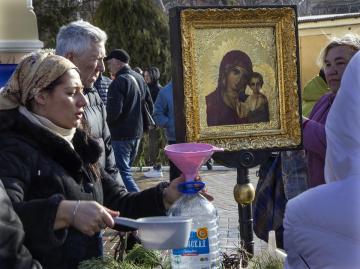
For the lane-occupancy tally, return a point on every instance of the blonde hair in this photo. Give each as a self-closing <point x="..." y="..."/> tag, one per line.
<point x="350" y="40"/>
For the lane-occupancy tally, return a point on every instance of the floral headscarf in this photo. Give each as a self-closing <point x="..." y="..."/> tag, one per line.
<point x="34" y="73"/>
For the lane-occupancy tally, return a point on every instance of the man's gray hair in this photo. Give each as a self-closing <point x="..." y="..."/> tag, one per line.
<point x="77" y="36"/>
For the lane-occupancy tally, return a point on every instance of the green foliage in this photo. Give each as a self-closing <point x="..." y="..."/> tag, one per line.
<point x="137" y="258"/>
<point x="51" y="15"/>
<point x="140" y="28"/>
<point x="97" y="263"/>
<point x="141" y="256"/>
<point x="108" y="263"/>
<point x="266" y="261"/>
<point x="143" y="158"/>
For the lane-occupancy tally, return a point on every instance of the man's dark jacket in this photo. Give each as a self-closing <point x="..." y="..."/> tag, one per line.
<point x="124" y="105"/>
<point x="39" y="169"/>
<point x="154" y="88"/>
<point x="95" y="114"/>
<point x="102" y="85"/>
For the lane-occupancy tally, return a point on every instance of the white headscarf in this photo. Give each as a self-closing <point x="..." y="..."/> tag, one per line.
<point x="343" y="127"/>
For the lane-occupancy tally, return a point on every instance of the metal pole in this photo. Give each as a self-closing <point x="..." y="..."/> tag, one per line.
<point x="245" y="215"/>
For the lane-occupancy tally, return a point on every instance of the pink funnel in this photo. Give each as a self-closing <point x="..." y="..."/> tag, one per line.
<point x="189" y="157"/>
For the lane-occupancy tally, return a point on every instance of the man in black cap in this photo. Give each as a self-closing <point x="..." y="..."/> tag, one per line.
<point x="124" y="112"/>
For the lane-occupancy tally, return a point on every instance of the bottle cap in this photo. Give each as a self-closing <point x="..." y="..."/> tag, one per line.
<point x="191" y="187"/>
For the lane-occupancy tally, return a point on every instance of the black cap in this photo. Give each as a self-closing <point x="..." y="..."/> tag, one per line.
<point x="119" y="54"/>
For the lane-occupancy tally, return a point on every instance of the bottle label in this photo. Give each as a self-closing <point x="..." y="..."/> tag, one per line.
<point x="198" y="244"/>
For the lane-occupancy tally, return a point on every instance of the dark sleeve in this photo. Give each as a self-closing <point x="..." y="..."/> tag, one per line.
<point x="148" y="98"/>
<point x="110" y="164"/>
<point x="37" y="216"/>
<point x="13" y="254"/>
<point x="115" y="99"/>
<point x="260" y="114"/>
<point x="264" y="111"/>
<point x="133" y="204"/>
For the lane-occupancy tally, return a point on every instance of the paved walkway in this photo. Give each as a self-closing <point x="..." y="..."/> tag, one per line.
<point x="220" y="184"/>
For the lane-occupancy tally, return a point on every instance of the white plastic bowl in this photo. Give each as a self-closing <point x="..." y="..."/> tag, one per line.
<point x="160" y="232"/>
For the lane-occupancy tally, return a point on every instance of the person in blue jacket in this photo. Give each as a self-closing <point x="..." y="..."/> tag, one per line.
<point x="164" y="117"/>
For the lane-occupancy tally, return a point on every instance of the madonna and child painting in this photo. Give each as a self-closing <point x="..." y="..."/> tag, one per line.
<point x="229" y="103"/>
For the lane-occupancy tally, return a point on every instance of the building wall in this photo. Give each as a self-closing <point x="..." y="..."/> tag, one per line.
<point x="315" y="35"/>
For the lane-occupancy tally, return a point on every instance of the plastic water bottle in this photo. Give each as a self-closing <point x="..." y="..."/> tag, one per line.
<point x="203" y="249"/>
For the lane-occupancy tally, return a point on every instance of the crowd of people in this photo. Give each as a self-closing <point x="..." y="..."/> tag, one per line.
<point x="59" y="167"/>
<point x="69" y="136"/>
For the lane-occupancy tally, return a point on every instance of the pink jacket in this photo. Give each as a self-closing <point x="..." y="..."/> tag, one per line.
<point x="315" y="139"/>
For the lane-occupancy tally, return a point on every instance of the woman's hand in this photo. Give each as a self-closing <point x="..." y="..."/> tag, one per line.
<point x="89" y="217"/>
<point x="171" y="193"/>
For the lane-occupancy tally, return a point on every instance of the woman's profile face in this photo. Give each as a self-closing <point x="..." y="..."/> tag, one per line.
<point x="335" y="63"/>
<point x="237" y="79"/>
<point x="147" y="77"/>
<point x="64" y="105"/>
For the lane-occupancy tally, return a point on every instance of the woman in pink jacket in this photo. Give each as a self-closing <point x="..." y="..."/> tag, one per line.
<point x="334" y="58"/>
<point x="322" y="225"/>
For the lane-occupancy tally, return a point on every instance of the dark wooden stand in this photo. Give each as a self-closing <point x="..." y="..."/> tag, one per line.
<point x="242" y="161"/>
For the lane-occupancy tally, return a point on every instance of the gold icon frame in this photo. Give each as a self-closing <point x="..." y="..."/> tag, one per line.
<point x="269" y="36"/>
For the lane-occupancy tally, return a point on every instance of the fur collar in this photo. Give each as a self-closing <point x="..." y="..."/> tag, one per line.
<point x="86" y="149"/>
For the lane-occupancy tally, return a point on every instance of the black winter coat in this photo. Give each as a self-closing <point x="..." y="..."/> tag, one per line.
<point x="124" y="105"/>
<point x="13" y="254"/>
<point x="154" y="90"/>
<point x="40" y="169"/>
<point x="95" y="114"/>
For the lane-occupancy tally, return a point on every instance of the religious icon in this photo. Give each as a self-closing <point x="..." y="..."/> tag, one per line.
<point x="237" y="87"/>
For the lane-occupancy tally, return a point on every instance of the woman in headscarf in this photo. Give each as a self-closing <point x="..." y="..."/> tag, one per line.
<point x="334" y="59"/>
<point x="322" y="225"/>
<point x="225" y="105"/>
<point x="48" y="165"/>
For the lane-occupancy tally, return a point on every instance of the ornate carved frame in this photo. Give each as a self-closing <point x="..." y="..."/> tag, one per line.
<point x="283" y="131"/>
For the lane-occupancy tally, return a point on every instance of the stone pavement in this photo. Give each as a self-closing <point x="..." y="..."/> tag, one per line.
<point x="220" y="183"/>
